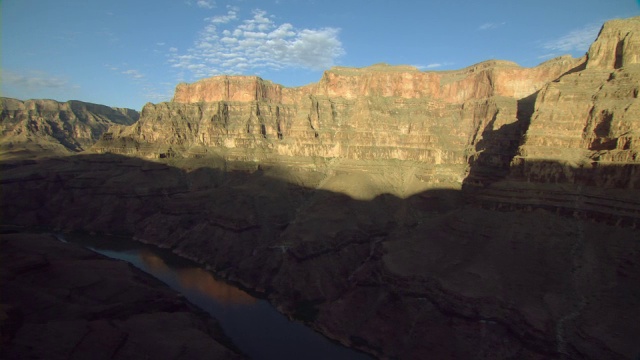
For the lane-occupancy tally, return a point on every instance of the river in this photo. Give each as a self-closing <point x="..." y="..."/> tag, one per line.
<point x="253" y="324"/>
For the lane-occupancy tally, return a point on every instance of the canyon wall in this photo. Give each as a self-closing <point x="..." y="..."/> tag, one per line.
<point x="581" y="146"/>
<point x="381" y="113"/>
<point x="493" y="126"/>
<point x="73" y="126"/>
<point x="488" y="212"/>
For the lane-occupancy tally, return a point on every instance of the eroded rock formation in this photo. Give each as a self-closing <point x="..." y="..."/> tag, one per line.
<point x="377" y="113"/>
<point x="54" y="127"/>
<point x="584" y="133"/>
<point x="490" y="212"/>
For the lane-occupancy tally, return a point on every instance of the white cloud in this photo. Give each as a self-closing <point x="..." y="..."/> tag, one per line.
<point x="547" y="56"/>
<point x="150" y="90"/>
<point x="157" y="92"/>
<point x="224" y="19"/>
<point x="206" y="4"/>
<point x="490" y="25"/>
<point x="133" y="73"/>
<point x="34" y="80"/>
<point x="576" y="40"/>
<point x="230" y="45"/>
<point x="432" y="66"/>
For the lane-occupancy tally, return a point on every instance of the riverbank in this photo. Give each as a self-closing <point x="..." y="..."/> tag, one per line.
<point x="249" y="323"/>
<point x="60" y="301"/>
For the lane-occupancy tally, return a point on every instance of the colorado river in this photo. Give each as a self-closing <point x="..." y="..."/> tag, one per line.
<point x="253" y="324"/>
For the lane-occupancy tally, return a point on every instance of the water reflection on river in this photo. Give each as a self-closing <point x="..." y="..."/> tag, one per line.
<point x="251" y="323"/>
<point x="199" y="280"/>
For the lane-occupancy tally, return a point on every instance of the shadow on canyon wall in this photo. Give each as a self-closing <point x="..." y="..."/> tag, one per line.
<point x="441" y="265"/>
<point x="50" y="184"/>
<point x="117" y="194"/>
<point x="498" y="147"/>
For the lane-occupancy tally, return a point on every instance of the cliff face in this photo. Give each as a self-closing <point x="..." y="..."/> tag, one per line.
<point x="592" y="115"/>
<point x="581" y="144"/>
<point x="492" y="212"/>
<point x="618" y="45"/>
<point x="229" y="88"/>
<point x="566" y="120"/>
<point x="59" y="127"/>
<point x="478" y="123"/>
<point x="381" y="113"/>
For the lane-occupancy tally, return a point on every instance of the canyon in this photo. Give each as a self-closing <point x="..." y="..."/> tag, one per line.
<point x="65" y="302"/>
<point x="35" y="127"/>
<point x="487" y="212"/>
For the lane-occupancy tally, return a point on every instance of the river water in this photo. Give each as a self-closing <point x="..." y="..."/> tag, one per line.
<point x="253" y="324"/>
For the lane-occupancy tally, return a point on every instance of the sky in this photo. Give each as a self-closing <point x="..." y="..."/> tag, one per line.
<point x="126" y="53"/>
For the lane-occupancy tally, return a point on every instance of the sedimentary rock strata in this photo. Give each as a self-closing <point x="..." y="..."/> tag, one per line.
<point x="54" y="127"/>
<point x="583" y="133"/>
<point x="489" y="212"/>
<point x="377" y="113"/>
<point x="567" y="120"/>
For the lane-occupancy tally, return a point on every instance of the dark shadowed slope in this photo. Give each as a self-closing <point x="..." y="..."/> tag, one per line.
<point x="433" y="274"/>
<point x="60" y="301"/>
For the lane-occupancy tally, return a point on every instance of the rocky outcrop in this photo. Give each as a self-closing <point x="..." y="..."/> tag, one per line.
<point x="581" y="144"/>
<point x="483" y="80"/>
<point x="380" y="113"/>
<point x="73" y="126"/>
<point x="618" y="45"/>
<point x="493" y="126"/>
<point x="228" y="88"/>
<point x="489" y="212"/>
<point x="490" y="78"/>
<point x="478" y="124"/>
<point x="591" y="116"/>
<point x="60" y="301"/>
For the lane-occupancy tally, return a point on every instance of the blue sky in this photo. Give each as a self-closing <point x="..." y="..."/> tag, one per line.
<point x="129" y="52"/>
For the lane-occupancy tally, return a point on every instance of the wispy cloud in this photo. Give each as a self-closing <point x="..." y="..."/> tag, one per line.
<point x="206" y="4"/>
<point x="158" y="93"/>
<point x="150" y="90"/>
<point x="432" y="66"/>
<point x="490" y="25"/>
<point x="230" y="45"/>
<point x="575" y="40"/>
<point x="135" y="74"/>
<point x="547" y="56"/>
<point x="34" y="80"/>
<point x="224" y="19"/>
<point x="123" y="69"/>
